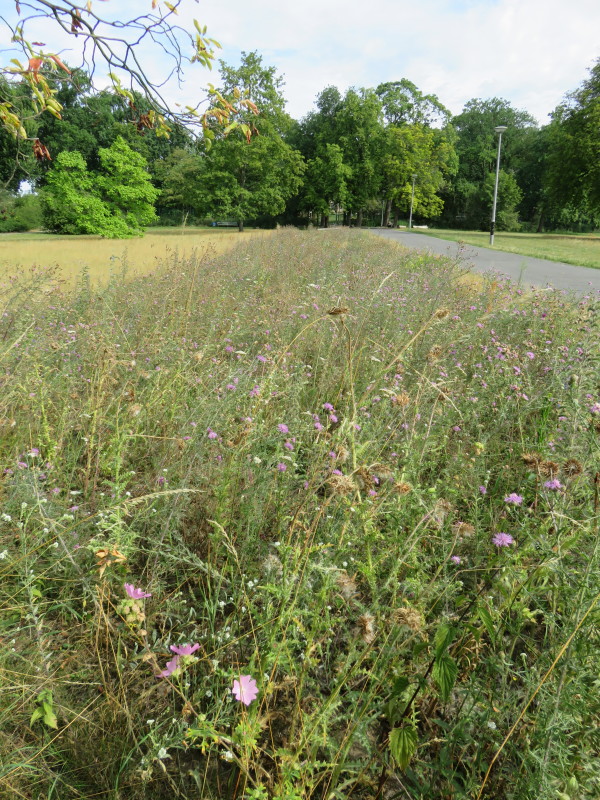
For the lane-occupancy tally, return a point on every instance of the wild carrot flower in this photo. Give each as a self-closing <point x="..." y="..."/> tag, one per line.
<point x="513" y="499"/>
<point x="502" y="539"/>
<point x="136" y="594"/>
<point x="245" y="689"/>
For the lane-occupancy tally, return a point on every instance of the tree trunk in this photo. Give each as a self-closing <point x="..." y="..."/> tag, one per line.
<point x="388" y="211"/>
<point x="359" y="219"/>
<point x="346" y="220"/>
<point x="395" y="219"/>
<point x="324" y="220"/>
<point x="241" y="225"/>
<point x="540" y="225"/>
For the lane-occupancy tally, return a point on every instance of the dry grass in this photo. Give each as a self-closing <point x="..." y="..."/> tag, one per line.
<point x="102" y="257"/>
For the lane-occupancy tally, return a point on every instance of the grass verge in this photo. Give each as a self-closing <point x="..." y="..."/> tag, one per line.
<point x="321" y="472"/>
<point x="583" y="250"/>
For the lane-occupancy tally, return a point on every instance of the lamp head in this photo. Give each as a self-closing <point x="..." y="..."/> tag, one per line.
<point x="501" y="128"/>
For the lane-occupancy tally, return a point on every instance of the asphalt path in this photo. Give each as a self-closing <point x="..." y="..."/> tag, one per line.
<point x="525" y="270"/>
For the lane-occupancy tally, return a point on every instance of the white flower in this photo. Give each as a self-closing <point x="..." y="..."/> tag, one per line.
<point x="6" y="518"/>
<point x="228" y="755"/>
<point x="3" y="555"/>
<point x="491" y="724"/>
<point x="162" y="753"/>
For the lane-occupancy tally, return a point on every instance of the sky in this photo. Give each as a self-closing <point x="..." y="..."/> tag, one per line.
<point x="529" y="52"/>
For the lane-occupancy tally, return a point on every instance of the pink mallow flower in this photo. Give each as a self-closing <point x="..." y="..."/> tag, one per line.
<point x="184" y="649"/>
<point x="245" y="689"/>
<point x="136" y="594"/>
<point x="172" y="665"/>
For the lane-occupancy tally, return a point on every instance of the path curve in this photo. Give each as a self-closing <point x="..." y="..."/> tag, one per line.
<point x="529" y="271"/>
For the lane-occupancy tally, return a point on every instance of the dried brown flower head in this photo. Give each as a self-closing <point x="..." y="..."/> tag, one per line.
<point x="341" y="485"/>
<point x="548" y="468"/>
<point x="272" y="566"/>
<point x="463" y="530"/>
<point x="434" y="353"/>
<point x="364" y="479"/>
<point x="337" y="310"/>
<point x="572" y="467"/>
<point x="402" y="487"/>
<point x="402" y="399"/>
<point x="346" y="585"/>
<point x="343" y="454"/>
<point x="441" y="313"/>
<point x="531" y="459"/>
<point x="365" y="627"/>
<point x="410" y="617"/>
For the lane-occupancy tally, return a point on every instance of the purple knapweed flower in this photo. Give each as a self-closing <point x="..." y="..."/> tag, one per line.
<point x="554" y="485"/>
<point x="513" y="499"/>
<point x="288" y="445"/>
<point x="212" y="434"/>
<point x="502" y="539"/>
<point x="328" y="407"/>
<point x="245" y="689"/>
<point x="455" y="559"/>
<point x="281" y="467"/>
<point x="333" y="418"/>
<point x="136" y="594"/>
<point x="482" y="490"/>
<point x="283" y="428"/>
<point x="595" y="409"/>
<point x="262" y="359"/>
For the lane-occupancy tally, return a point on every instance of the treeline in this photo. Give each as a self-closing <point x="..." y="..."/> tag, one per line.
<point x="361" y="156"/>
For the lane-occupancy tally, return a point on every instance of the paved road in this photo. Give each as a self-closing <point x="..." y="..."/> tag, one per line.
<point x="530" y="271"/>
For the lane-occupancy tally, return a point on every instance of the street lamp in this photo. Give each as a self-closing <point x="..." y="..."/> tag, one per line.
<point x="412" y="199"/>
<point x="499" y="130"/>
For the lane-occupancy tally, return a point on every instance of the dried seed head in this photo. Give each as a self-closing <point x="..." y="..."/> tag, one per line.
<point x="135" y="410"/>
<point x="337" y="310"/>
<point x="572" y="467"/>
<point x="364" y="479"/>
<point x="441" y="313"/>
<point x="402" y="487"/>
<point x="346" y="585"/>
<point x="402" y="399"/>
<point x="343" y="454"/>
<point x="365" y="627"/>
<point x="531" y="459"/>
<point x="410" y="617"/>
<point x="272" y="566"/>
<point x="440" y="511"/>
<point x="463" y="530"/>
<point x="382" y="471"/>
<point x="434" y="353"/>
<point x="548" y="468"/>
<point x="341" y="485"/>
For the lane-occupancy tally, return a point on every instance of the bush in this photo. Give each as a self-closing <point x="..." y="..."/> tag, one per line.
<point x="19" y="214"/>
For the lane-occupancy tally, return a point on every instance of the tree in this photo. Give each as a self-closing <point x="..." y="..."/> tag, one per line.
<point x="326" y="182"/>
<point x="573" y="176"/>
<point x="116" y="202"/>
<point x="476" y="147"/>
<point x="404" y="104"/>
<point x="120" y="45"/>
<point x="249" y="179"/>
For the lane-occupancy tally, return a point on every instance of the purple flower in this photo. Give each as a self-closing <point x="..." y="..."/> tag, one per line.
<point x="595" y="409"/>
<point x="283" y="428"/>
<point x="262" y="359"/>
<point x="172" y="665"/>
<point x="318" y="426"/>
<point x="328" y="407"/>
<point x="136" y="594"/>
<point x="212" y="434"/>
<point x="554" y="485"/>
<point x="482" y="490"/>
<point x="245" y="689"/>
<point x="288" y="446"/>
<point x="530" y="355"/>
<point x="502" y="539"/>
<point x="455" y="559"/>
<point x="184" y="649"/>
<point x="333" y="418"/>
<point x="513" y="499"/>
<point x="281" y="467"/>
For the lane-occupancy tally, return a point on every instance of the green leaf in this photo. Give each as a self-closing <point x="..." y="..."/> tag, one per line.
<point x="443" y="637"/>
<point x="403" y="743"/>
<point x="37" y="714"/>
<point x="485" y="616"/>
<point x="444" y="674"/>
<point x="49" y="716"/>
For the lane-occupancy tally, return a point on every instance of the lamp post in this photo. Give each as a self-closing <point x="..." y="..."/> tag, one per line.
<point x="412" y="199"/>
<point x="499" y="130"/>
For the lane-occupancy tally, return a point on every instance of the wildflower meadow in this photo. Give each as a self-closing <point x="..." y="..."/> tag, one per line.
<point x="316" y="518"/>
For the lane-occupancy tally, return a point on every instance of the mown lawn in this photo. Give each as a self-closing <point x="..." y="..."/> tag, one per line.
<point x="581" y="250"/>
<point x="310" y="519"/>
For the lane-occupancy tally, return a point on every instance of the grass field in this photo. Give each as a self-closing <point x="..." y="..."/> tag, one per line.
<point x="103" y="257"/>
<point x="582" y="250"/>
<point x="309" y="519"/>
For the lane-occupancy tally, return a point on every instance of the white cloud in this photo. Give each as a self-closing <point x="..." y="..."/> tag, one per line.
<point x="530" y="52"/>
